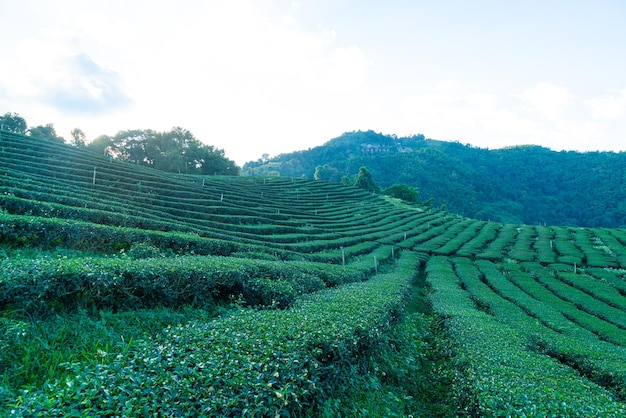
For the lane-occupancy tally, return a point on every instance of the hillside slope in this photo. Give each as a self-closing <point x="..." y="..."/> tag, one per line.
<point x="128" y="291"/>
<point x="526" y="184"/>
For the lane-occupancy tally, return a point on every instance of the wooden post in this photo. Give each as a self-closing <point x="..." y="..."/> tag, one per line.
<point x="574" y="267"/>
<point x="94" y="176"/>
<point x="222" y="197"/>
<point x="392" y="253"/>
<point x="405" y="236"/>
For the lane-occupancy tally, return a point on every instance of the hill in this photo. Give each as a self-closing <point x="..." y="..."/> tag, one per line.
<point x="126" y="291"/>
<point x="525" y="184"/>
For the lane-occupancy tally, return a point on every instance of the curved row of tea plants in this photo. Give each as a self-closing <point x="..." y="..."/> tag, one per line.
<point x="540" y="307"/>
<point x="272" y="362"/>
<point x="38" y="287"/>
<point x="508" y="377"/>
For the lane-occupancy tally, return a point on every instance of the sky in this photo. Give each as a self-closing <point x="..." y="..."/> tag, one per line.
<point x="275" y="76"/>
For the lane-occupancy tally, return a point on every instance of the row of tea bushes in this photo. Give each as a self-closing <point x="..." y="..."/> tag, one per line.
<point x="41" y="286"/>
<point x="547" y="245"/>
<point x="508" y="378"/>
<point x="486" y="233"/>
<point x="42" y="232"/>
<point x="549" y="323"/>
<point x="501" y="245"/>
<point x="572" y="336"/>
<point x="249" y="363"/>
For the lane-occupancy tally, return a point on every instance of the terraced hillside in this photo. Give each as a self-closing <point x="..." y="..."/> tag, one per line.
<point x="127" y="291"/>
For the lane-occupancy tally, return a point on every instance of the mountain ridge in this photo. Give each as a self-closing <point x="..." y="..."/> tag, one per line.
<point x="522" y="184"/>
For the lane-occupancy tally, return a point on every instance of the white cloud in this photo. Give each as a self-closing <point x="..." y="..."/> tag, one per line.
<point x="452" y="111"/>
<point x="274" y="76"/>
<point x="449" y="113"/>
<point x="446" y="86"/>
<point x="549" y="99"/>
<point x="608" y="106"/>
<point x="239" y="79"/>
<point x="82" y="86"/>
<point x="286" y="19"/>
<point x="49" y="69"/>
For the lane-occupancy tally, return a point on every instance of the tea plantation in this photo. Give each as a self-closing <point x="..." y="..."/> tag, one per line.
<point x="126" y="291"/>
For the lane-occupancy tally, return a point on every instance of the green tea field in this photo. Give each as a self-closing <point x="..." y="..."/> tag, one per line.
<point x="125" y="291"/>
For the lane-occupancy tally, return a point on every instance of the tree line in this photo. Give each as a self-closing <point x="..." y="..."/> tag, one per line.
<point x="176" y="150"/>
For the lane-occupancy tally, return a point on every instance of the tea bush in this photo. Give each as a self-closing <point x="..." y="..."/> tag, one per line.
<point x="42" y="286"/>
<point x="542" y="386"/>
<point x="252" y="363"/>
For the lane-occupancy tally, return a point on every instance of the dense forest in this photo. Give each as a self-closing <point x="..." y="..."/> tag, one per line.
<point x="522" y="184"/>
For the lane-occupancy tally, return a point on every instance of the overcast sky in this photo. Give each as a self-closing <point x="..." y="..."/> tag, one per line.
<point x="274" y="76"/>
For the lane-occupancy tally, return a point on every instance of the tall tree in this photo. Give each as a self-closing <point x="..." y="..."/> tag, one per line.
<point x="365" y="181"/>
<point x="13" y="122"/>
<point x="102" y="145"/>
<point x="78" y="138"/>
<point x="176" y="151"/>
<point x="45" y="132"/>
<point x="132" y="145"/>
<point x="214" y="161"/>
<point x="327" y="173"/>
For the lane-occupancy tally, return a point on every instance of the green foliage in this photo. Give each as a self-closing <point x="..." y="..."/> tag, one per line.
<point x="33" y="353"/>
<point x="508" y="378"/>
<point x="13" y="122"/>
<point x="402" y="191"/>
<point x="78" y="138"/>
<point x="46" y="132"/>
<point x="529" y="184"/>
<point x="326" y="173"/>
<point x="144" y="250"/>
<point x="42" y="286"/>
<point x="257" y="362"/>
<point x="365" y="181"/>
<point x="407" y="374"/>
<point x="176" y="151"/>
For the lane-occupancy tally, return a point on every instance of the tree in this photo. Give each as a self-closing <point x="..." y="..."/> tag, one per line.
<point x="133" y="145"/>
<point x="176" y="151"/>
<point x="103" y="145"/>
<point x="326" y="173"/>
<point x="365" y="181"/>
<point x="402" y="191"/>
<point x="45" y="132"/>
<point x="78" y="138"/>
<point x="214" y="161"/>
<point x="13" y="122"/>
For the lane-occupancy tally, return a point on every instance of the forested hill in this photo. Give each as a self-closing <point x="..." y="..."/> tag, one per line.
<point x="523" y="184"/>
